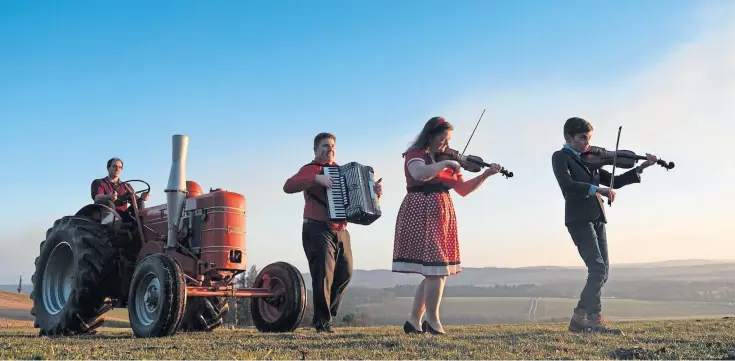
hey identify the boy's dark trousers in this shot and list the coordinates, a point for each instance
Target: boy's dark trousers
(591, 241)
(330, 262)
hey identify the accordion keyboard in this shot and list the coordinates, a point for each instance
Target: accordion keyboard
(336, 195)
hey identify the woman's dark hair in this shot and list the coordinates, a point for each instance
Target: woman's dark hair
(434, 126)
(575, 125)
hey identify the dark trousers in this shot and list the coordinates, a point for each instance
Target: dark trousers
(330, 263)
(591, 242)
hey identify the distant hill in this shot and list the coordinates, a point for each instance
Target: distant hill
(684, 270)
(674, 270)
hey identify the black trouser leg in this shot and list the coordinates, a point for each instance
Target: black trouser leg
(342, 271)
(591, 241)
(320, 247)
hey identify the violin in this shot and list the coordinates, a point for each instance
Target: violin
(597, 157)
(470, 163)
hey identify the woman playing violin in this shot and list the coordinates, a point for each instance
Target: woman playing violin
(425, 239)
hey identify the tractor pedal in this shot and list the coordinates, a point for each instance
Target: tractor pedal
(90, 328)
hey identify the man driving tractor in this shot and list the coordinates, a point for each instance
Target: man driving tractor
(104, 191)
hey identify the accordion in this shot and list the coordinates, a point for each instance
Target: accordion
(352, 197)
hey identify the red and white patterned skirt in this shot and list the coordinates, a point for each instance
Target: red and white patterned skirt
(425, 240)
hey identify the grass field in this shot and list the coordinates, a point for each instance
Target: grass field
(461, 310)
(691, 339)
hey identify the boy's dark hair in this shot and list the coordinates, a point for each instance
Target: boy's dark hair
(576, 125)
(109, 162)
(323, 135)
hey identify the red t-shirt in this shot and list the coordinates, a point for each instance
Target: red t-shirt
(104, 186)
(304, 181)
(444, 177)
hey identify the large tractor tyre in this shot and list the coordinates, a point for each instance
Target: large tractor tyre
(204, 314)
(284, 311)
(157, 297)
(73, 272)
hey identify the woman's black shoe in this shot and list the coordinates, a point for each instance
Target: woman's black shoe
(427, 328)
(408, 328)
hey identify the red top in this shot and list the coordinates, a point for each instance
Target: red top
(444, 177)
(104, 186)
(304, 181)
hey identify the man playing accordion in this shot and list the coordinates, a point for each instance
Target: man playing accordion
(326, 243)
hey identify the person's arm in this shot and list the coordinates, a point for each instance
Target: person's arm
(622, 180)
(97, 191)
(568, 185)
(420, 171)
(304, 179)
(465, 187)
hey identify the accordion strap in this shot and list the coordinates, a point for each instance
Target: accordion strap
(311, 195)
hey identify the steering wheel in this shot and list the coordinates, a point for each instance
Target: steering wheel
(128, 196)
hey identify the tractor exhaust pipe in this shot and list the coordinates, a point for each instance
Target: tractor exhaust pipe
(176, 189)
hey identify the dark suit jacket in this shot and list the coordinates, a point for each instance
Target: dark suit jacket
(575, 178)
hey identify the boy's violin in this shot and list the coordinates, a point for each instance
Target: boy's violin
(470, 163)
(597, 157)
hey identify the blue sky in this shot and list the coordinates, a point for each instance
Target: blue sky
(252, 82)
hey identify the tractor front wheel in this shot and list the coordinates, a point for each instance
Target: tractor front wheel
(157, 297)
(71, 277)
(284, 311)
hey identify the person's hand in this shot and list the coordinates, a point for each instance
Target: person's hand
(607, 192)
(650, 160)
(113, 196)
(324, 180)
(492, 169)
(379, 187)
(145, 196)
(450, 163)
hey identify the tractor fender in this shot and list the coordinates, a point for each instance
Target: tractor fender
(102, 213)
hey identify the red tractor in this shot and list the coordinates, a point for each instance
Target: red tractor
(172, 265)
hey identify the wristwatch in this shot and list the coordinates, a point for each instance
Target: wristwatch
(638, 169)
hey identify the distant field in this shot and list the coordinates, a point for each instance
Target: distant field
(16, 307)
(706, 339)
(463, 310)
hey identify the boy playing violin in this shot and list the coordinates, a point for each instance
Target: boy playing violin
(584, 217)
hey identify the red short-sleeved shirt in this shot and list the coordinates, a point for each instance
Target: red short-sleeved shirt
(104, 186)
(444, 177)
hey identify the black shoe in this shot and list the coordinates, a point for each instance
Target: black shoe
(325, 328)
(427, 328)
(408, 328)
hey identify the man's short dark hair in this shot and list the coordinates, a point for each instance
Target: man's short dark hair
(576, 125)
(109, 162)
(323, 135)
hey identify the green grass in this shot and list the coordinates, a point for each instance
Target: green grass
(691, 339)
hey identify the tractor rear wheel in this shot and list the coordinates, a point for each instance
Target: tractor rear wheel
(71, 281)
(157, 297)
(284, 311)
(204, 313)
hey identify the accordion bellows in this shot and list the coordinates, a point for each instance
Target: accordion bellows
(352, 197)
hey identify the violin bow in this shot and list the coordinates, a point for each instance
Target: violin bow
(473, 131)
(615, 162)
